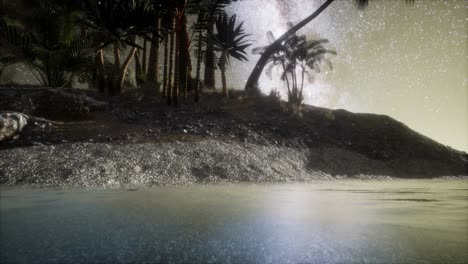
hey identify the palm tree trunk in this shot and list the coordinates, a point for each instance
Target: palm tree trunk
(296, 89)
(302, 80)
(185, 63)
(139, 75)
(175, 88)
(166, 57)
(171, 62)
(223, 80)
(153, 64)
(113, 82)
(100, 71)
(123, 71)
(144, 55)
(286, 77)
(199, 59)
(222, 68)
(210, 80)
(252, 82)
(48, 76)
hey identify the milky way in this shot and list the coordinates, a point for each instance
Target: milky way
(409, 62)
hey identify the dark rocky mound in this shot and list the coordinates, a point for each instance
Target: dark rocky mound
(57, 104)
(382, 138)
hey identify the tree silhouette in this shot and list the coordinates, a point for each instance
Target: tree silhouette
(296, 54)
(48, 42)
(117, 24)
(229, 41)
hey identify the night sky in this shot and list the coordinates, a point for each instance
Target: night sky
(409, 62)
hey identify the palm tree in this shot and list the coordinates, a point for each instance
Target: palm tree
(178, 29)
(278, 58)
(153, 65)
(296, 53)
(305, 54)
(185, 62)
(229, 41)
(118, 23)
(165, 66)
(48, 42)
(252, 82)
(140, 63)
(206, 11)
(171, 60)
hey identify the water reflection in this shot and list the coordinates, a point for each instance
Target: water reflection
(324, 222)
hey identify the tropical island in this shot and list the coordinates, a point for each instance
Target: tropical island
(149, 117)
(233, 131)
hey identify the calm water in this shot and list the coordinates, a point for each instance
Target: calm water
(395, 221)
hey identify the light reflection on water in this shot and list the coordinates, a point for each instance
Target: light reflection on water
(396, 221)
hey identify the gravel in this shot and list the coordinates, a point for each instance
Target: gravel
(110, 165)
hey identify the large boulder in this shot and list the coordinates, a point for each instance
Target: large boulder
(11, 125)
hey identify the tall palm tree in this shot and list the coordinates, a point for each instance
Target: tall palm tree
(165, 66)
(305, 54)
(206, 12)
(178, 29)
(153, 65)
(169, 87)
(229, 41)
(185, 62)
(140, 72)
(252, 81)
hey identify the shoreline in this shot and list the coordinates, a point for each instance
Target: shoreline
(107, 165)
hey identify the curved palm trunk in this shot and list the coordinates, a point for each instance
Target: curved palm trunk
(252, 82)
(139, 74)
(123, 70)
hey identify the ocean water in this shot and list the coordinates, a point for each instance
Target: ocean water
(343, 221)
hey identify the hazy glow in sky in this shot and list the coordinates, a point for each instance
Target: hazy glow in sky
(409, 62)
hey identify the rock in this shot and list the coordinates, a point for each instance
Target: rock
(50, 103)
(11, 124)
